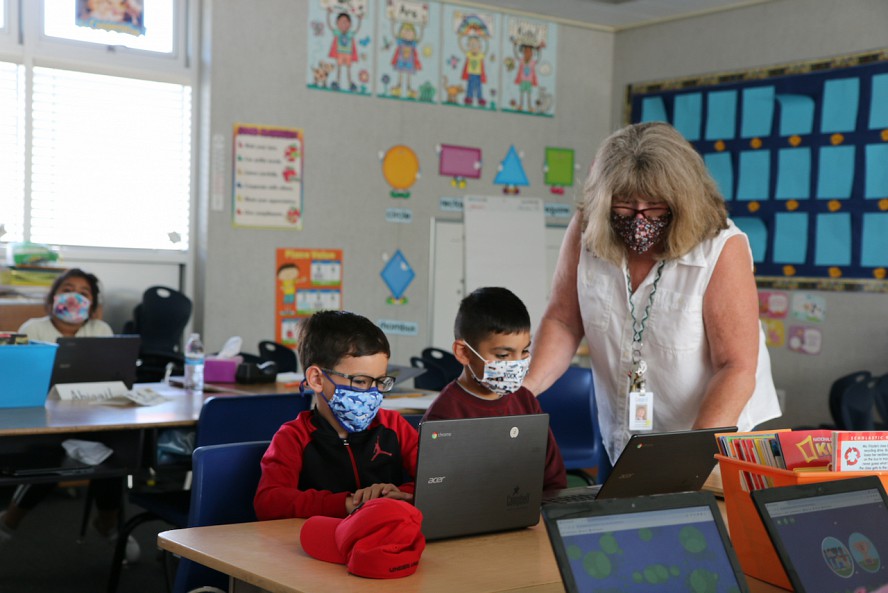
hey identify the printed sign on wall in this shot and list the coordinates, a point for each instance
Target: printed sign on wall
(306, 281)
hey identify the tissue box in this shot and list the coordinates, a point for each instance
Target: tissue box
(25, 371)
(221, 370)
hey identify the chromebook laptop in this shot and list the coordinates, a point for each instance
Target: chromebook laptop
(653, 463)
(665, 542)
(91, 360)
(479, 475)
(830, 536)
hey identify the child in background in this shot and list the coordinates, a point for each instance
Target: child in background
(492, 341)
(346, 450)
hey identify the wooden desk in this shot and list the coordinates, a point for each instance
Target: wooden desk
(266, 556)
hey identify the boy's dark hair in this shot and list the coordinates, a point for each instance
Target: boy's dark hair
(91, 279)
(327, 337)
(490, 310)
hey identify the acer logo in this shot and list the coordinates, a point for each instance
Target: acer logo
(436, 480)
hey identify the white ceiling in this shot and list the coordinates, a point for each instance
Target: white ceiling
(615, 14)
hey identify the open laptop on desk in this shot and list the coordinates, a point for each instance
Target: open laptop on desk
(665, 542)
(653, 463)
(479, 475)
(93, 360)
(830, 536)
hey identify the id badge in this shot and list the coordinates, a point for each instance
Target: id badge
(641, 410)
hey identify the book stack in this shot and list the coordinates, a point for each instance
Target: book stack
(12, 339)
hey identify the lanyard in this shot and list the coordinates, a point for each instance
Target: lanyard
(638, 365)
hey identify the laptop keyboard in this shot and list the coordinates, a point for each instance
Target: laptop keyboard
(573, 495)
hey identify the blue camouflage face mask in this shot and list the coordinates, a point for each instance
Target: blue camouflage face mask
(354, 409)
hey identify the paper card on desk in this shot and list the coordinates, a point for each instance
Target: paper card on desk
(92, 392)
(144, 396)
(294, 378)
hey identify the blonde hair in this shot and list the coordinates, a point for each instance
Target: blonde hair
(654, 162)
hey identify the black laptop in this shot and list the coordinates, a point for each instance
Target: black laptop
(480, 475)
(830, 536)
(665, 542)
(93, 360)
(653, 463)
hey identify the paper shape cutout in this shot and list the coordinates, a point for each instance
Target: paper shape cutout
(874, 245)
(511, 173)
(397, 275)
(722, 170)
(833, 240)
(757, 233)
(559, 169)
(840, 103)
(796, 114)
(790, 238)
(721, 115)
(653, 109)
(687, 115)
(876, 180)
(755, 174)
(773, 305)
(808, 307)
(793, 174)
(805, 340)
(775, 333)
(878, 114)
(400, 167)
(758, 112)
(459, 162)
(836, 174)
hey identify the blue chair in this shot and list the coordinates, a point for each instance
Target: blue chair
(573, 418)
(225, 478)
(857, 405)
(882, 400)
(836, 391)
(222, 420)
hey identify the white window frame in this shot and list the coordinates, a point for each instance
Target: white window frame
(22, 41)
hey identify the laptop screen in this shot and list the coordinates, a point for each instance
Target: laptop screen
(619, 545)
(830, 541)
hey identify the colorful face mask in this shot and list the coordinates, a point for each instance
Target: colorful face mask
(354, 408)
(640, 233)
(71, 307)
(501, 376)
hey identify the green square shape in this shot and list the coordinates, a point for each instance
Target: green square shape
(559, 166)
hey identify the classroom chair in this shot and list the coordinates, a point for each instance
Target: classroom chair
(573, 418)
(283, 356)
(882, 400)
(836, 392)
(858, 402)
(160, 320)
(444, 359)
(222, 420)
(224, 483)
(434, 378)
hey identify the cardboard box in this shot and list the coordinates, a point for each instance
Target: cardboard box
(25, 371)
(748, 535)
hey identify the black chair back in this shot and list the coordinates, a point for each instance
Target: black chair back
(837, 390)
(434, 379)
(445, 360)
(283, 356)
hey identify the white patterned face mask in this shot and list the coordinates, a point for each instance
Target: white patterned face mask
(501, 376)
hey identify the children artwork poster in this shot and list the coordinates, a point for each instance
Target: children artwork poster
(530, 48)
(470, 50)
(407, 59)
(267, 177)
(306, 281)
(121, 16)
(340, 48)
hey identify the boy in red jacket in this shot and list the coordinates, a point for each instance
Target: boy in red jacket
(492, 332)
(346, 450)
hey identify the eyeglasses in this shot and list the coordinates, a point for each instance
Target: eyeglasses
(651, 213)
(365, 382)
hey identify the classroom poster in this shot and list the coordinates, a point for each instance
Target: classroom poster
(267, 177)
(121, 16)
(470, 51)
(528, 74)
(409, 50)
(340, 46)
(306, 281)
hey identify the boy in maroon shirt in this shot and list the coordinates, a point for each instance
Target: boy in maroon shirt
(492, 342)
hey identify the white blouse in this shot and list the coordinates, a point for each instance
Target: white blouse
(41, 329)
(674, 343)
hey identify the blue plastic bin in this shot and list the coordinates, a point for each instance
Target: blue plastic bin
(25, 371)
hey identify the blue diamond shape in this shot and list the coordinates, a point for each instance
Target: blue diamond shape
(397, 274)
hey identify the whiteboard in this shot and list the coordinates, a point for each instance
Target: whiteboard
(447, 277)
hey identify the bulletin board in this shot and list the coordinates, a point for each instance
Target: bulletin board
(800, 153)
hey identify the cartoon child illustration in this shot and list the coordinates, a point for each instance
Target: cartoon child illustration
(288, 275)
(343, 49)
(406, 59)
(475, 48)
(527, 75)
